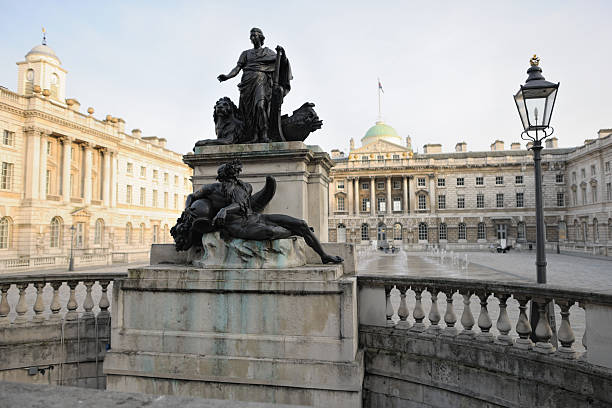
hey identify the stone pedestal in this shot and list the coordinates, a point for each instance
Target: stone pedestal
(275, 335)
(301, 173)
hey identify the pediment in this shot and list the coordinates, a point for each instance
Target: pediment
(80, 212)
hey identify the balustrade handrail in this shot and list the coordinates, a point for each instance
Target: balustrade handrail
(534, 290)
(60, 277)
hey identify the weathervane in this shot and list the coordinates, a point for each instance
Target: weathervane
(44, 41)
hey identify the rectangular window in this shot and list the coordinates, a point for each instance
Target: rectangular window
(421, 181)
(128, 194)
(143, 195)
(607, 167)
(397, 204)
(397, 184)
(593, 170)
(499, 200)
(499, 179)
(559, 178)
(482, 234)
(382, 204)
(166, 178)
(175, 201)
(609, 192)
(480, 200)
(573, 176)
(396, 157)
(520, 231)
(560, 200)
(442, 232)
(480, 181)
(584, 196)
(79, 236)
(155, 233)
(441, 182)
(340, 203)
(518, 179)
(365, 186)
(165, 199)
(422, 202)
(154, 198)
(441, 202)
(143, 171)
(380, 185)
(49, 147)
(460, 201)
(462, 233)
(365, 204)
(47, 181)
(129, 168)
(519, 200)
(8, 138)
(380, 158)
(583, 173)
(594, 193)
(460, 181)
(340, 185)
(155, 174)
(365, 159)
(176, 180)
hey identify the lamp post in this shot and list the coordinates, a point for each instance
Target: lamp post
(71, 261)
(535, 102)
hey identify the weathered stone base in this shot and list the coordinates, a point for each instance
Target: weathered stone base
(243, 253)
(267, 334)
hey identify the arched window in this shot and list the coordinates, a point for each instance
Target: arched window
(341, 229)
(128, 233)
(99, 231)
(397, 231)
(422, 231)
(520, 231)
(462, 234)
(5, 232)
(442, 232)
(141, 234)
(482, 231)
(365, 232)
(56, 232)
(381, 232)
(595, 230)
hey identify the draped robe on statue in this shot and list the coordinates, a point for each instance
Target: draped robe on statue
(258, 65)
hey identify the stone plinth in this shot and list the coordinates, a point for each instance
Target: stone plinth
(301, 173)
(250, 254)
(266, 335)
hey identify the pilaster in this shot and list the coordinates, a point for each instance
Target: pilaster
(87, 177)
(432, 193)
(32, 163)
(356, 190)
(66, 160)
(405, 192)
(389, 206)
(106, 178)
(372, 196)
(412, 191)
(349, 196)
(44, 136)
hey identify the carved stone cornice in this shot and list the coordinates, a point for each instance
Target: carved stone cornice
(36, 129)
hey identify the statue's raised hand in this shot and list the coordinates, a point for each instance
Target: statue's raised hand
(222, 78)
(280, 50)
(219, 219)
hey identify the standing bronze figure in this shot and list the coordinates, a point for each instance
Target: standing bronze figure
(230, 207)
(266, 78)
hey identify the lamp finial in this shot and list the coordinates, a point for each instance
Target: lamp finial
(534, 61)
(44, 40)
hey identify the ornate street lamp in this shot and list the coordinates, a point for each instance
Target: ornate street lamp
(535, 102)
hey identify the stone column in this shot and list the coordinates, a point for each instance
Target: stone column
(106, 184)
(43, 165)
(349, 195)
(389, 206)
(87, 170)
(412, 193)
(330, 197)
(356, 190)
(372, 196)
(432, 193)
(66, 162)
(405, 196)
(32, 164)
(113, 179)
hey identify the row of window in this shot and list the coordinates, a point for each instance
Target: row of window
(380, 158)
(499, 200)
(154, 199)
(143, 173)
(607, 169)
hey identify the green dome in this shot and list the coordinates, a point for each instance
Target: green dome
(381, 131)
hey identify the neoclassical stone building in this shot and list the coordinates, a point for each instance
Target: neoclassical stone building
(382, 190)
(62, 168)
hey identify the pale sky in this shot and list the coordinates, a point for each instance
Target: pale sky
(448, 69)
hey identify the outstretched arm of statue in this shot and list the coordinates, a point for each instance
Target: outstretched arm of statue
(231, 74)
(203, 192)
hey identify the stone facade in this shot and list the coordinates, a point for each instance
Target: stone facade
(63, 168)
(384, 191)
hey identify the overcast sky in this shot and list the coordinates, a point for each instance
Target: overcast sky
(448, 69)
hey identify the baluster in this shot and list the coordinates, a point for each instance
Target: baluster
(565, 334)
(55, 303)
(72, 303)
(88, 303)
(39, 306)
(484, 321)
(418, 314)
(543, 332)
(403, 312)
(503, 321)
(389, 306)
(586, 329)
(467, 318)
(22, 306)
(449, 316)
(523, 327)
(5, 308)
(104, 304)
(434, 314)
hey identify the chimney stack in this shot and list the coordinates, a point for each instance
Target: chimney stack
(137, 133)
(552, 143)
(515, 146)
(432, 148)
(497, 145)
(461, 147)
